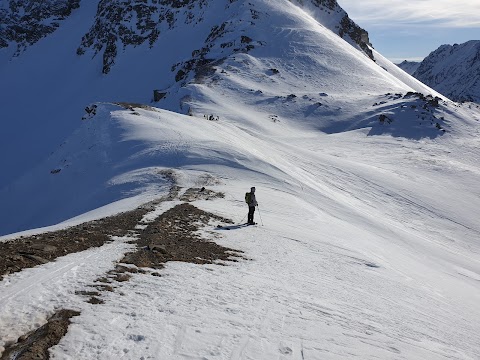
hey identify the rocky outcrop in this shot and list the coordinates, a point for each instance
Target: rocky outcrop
(357, 34)
(119, 24)
(24, 22)
(113, 30)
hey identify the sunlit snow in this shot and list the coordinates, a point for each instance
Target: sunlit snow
(367, 243)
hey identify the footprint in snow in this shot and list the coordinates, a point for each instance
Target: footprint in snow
(136, 338)
(285, 350)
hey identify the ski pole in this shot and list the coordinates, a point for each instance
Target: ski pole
(241, 221)
(260, 214)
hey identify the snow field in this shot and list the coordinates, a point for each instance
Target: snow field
(364, 250)
(303, 293)
(369, 246)
(29, 297)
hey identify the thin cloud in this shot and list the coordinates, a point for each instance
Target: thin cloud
(438, 13)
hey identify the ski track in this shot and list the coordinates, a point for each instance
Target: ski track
(328, 307)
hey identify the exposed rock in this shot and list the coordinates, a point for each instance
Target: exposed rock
(39, 249)
(44, 247)
(35, 345)
(357, 34)
(122, 277)
(95, 301)
(112, 28)
(346, 28)
(193, 194)
(158, 95)
(36, 258)
(24, 22)
(384, 118)
(158, 248)
(174, 237)
(119, 24)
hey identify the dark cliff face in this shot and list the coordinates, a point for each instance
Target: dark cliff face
(357, 34)
(24, 22)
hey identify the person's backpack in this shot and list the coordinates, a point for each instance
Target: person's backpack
(247, 198)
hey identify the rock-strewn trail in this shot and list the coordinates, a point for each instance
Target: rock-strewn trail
(27, 252)
(157, 238)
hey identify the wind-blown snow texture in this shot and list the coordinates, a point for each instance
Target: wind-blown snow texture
(453, 70)
(368, 192)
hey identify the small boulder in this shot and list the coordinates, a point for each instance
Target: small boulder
(44, 248)
(157, 248)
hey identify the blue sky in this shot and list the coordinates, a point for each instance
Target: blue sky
(411, 29)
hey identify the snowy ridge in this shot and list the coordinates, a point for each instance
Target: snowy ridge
(57, 75)
(357, 255)
(367, 182)
(300, 76)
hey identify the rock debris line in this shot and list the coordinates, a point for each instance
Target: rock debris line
(27, 252)
(172, 236)
(35, 345)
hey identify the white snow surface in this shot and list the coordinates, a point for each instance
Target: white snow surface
(368, 248)
(367, 243)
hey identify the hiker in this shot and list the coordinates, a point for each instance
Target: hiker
(252, 202)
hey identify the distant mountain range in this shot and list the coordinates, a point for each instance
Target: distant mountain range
(409, 66)
(452, 70)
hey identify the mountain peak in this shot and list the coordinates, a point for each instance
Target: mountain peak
(118, 25)
(453, 70)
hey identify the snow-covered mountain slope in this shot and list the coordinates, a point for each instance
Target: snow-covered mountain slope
(409, 66)
(453, 70)
(369, 245)
(287, 67)
(46, 87)
(368, 190)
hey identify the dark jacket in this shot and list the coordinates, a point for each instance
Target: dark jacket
(253, 200)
